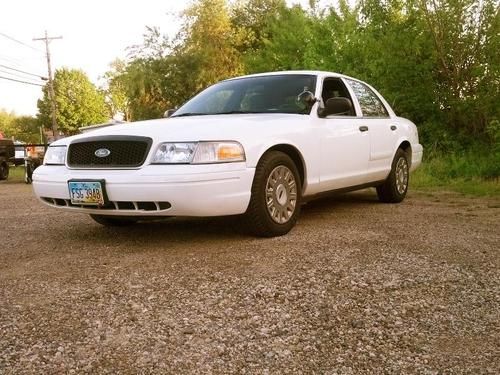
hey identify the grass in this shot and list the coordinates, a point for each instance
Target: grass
(16, 174)
(471, 173)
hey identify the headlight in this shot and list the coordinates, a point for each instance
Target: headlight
(218, 152)
(169, 153)
(199, 153)
(55, 155)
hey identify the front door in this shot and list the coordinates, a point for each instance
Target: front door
(345, 145)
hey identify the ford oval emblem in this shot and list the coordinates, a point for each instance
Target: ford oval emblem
(102, 152)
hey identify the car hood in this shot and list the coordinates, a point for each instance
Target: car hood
(199, 128)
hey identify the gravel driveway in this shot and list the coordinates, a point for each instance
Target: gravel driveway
(357, 287)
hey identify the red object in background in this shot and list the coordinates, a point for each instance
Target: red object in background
(1, 135)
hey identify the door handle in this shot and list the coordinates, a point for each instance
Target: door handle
(363, 128)
(393, 127)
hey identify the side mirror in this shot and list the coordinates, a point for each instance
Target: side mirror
(307, 98)
(336, 106)
(169, 112)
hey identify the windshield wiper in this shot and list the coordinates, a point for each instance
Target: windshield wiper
(191, 114)
(214, 113)
(234, 112)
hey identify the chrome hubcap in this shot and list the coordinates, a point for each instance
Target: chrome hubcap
(402, 175)
(281, 194)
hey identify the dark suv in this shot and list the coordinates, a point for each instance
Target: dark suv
(7, 154)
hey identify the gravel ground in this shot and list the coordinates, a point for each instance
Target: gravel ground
(357, 287)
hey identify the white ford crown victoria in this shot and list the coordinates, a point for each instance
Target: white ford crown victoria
(257, 145)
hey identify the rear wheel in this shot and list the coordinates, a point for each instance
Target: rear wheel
(394, 189)
(276, 195)
(113, 221)
(4, 170)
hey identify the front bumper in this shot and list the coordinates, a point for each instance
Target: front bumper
(190, 190)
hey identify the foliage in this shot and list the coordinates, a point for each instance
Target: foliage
(285, 48)
(139, 89)
(118, 99)
(436, 62)
(464, 35)
(5, 121)
(78, 102)
(250, 20)
(472, 172)
(22, 128)
(207, 45)
(163, 74)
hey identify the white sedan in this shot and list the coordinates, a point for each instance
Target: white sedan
(258, 145)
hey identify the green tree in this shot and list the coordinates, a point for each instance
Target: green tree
(465, 41)
(26, 129)
(289, 43)
(78, 102)
(6, 119)
(163, 74)
(436, 62)
(22, 128)
(142, 88)
(206, 50)
(117, 97)
(250, 20)
(395, 55)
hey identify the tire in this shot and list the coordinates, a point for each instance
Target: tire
(394, 189)
(4, 170)
(113, 221)
(28, 174)
(276, 196)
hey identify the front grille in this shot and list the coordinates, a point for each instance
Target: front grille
(124, 152)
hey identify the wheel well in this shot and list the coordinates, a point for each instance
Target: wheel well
(295, 156)
(406, 147)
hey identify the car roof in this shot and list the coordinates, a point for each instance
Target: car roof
(292, 72)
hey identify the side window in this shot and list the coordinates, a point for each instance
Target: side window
(335, 88)
(370, 104)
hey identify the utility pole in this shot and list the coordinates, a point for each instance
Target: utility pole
(52, 95)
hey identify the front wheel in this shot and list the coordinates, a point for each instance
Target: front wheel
(394, 188)
(113, 221)
(276, 196)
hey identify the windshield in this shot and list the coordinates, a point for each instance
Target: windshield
(261, 94)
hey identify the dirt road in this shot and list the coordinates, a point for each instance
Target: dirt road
(357, 287)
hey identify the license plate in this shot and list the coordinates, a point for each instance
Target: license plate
(86, 192)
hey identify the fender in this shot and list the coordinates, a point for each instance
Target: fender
(311, 173)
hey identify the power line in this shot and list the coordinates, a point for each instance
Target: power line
(17, 61)
(19, 42)
(22, 71)
(18, 80)
(16, 75)
(10, 60)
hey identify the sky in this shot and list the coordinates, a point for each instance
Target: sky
(94, 34)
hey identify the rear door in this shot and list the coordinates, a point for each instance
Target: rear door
(382, 129)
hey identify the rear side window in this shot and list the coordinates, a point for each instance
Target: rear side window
(370, 104)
